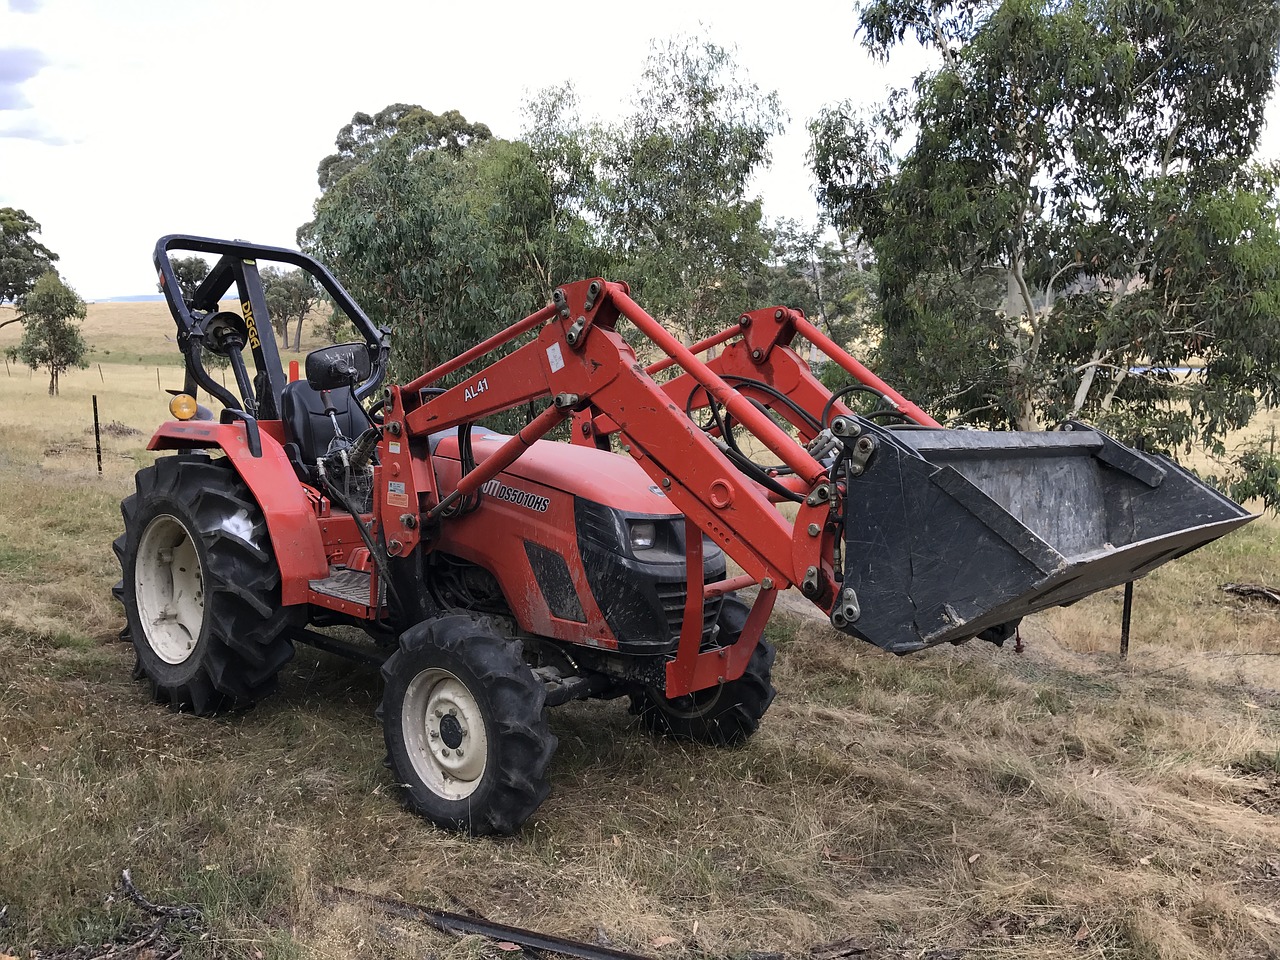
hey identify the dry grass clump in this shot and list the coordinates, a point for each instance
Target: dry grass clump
(964, 802)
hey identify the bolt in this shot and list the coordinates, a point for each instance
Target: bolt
(844, 427)
(814, 529)
(766, 583)
(459, 753)
(435, 735)
(810, 585)
(445, 752)
(757, 354)
(744, 322)
(626, 448)
(586, 429)
(777, 314)
(666, 483)
(394, 548)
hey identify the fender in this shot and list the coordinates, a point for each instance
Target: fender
(291, 520)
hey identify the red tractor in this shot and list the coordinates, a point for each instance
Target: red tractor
(500, 575)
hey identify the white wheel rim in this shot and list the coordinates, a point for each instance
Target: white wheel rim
(444, 732)
(169, 589)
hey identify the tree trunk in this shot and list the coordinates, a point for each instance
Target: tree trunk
(1021, 310)
(53, 381)
(297, 340)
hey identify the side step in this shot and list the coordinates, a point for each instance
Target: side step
(347, 591)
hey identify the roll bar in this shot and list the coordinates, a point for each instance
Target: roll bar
(237, 265)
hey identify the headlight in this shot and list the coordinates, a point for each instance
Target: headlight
(643, 534)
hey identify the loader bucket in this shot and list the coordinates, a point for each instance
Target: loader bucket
(949, 533)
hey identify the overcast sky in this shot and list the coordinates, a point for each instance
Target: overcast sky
(122, 120)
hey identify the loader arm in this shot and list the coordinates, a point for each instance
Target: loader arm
(579, 361)
(948, 534)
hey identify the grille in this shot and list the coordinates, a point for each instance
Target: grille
(672, 595)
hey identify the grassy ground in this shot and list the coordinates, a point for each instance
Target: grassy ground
(964, 802)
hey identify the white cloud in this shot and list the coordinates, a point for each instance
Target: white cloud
(31, 130)
(152, 117)
(17, 66)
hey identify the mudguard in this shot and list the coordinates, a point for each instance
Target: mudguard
(291, 518)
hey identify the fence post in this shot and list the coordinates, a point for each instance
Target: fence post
(1125, 616)
(97, 433)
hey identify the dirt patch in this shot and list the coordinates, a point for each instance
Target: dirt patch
(62, 449)
(1263, 795)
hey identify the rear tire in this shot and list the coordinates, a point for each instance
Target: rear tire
(466, 729)
(201, 587)
(721, 716)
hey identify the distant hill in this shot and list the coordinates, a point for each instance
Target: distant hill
(140, 298)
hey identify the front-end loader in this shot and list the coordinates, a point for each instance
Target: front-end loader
(499, 575)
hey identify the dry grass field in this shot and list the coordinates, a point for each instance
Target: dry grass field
(966, 802)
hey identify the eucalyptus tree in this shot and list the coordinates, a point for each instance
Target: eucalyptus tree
(1065, 213)
(674, 192)
(51, 337)
(23, 258)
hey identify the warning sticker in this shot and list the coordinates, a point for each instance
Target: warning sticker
(555, 357)
(396, 496)
(393, 446)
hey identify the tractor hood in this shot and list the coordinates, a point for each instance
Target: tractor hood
(596, 475)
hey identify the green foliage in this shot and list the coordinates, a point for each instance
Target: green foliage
(290, 296)
(1253, 473)
(832, 282)
(190, 273)
(444, 236)
(23, 258)
(1063, 211)
(51, 337)
(672, 195)
(447, 234)
(365, 135)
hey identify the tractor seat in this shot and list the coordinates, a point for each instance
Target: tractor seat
(308, 431)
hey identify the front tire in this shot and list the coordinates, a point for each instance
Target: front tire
(721, 716)
(465, 724)
(201, 587)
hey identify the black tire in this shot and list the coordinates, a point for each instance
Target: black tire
(201, 587)
(721, 716)
(456, 684)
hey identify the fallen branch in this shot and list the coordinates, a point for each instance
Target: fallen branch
(837, 949)
(155, 909)
(459, 924)
(1257, 591)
